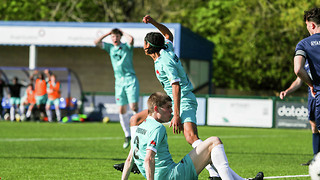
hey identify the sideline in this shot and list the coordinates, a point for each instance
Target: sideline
(289, 176)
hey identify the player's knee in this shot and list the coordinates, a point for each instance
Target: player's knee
(191, 138)
(214, 140)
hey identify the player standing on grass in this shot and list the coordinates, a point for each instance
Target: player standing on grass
(53, 90)
(126, 82)
(151, 151)
(175, 82)
(308, 49)
(311, 109)
(14, 95)
(40, 90)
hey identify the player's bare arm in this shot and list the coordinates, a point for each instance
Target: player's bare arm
(176, 120)
(162, 28)
(127, 166)
(299, 62)
(129, 38)
(149, 163)
(138, 118)
(293, 87)
(98, 42)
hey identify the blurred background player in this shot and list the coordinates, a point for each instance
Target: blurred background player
(40, 92)
(2, 88)
(14, 95)
(126, 82)
(29, 101)
(311, 110)
(53, 91)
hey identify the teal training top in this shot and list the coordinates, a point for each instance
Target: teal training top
(168, 69)
(152, 135)
(121, 59)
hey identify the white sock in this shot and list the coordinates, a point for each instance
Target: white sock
(22, 109)
(48, 111)
(28, 114)
(58, 114)
(220, 162)
(12, 111)
(125, 124)
(212, 171)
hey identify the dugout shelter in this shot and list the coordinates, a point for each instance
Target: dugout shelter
(70, 45)
(70, 85)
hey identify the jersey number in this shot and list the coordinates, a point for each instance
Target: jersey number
(135, 152)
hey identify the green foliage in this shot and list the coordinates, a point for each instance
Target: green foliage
(255, 39)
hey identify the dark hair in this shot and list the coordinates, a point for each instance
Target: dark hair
(116, 31)
(156, 41)
(157, 99)
(312, 15)
(30, 84)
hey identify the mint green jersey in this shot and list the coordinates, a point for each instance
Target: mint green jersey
(169, 70)
(152, 135)
(121, 59)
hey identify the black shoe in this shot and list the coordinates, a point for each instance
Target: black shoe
(119, 167)
(215, 178)
(135, 169)
(259, 176)
(307, 163)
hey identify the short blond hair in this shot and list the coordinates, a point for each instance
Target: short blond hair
(157, 99)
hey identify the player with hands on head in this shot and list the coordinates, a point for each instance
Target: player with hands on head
(126, 82)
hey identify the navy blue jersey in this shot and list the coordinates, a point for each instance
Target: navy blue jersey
(310, 49)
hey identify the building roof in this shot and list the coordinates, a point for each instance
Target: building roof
(188, 45)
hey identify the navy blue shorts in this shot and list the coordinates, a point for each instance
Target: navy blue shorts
(311, 107)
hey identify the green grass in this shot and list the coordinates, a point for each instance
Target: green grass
(31, 150)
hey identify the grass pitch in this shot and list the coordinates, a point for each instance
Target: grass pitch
(31, 150)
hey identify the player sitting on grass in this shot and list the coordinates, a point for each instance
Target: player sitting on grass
(151, 153)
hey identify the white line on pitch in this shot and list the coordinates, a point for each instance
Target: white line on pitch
(58, 139)
(290, 176)
(112, 138)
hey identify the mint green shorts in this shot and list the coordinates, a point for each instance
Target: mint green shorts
(56, 102)
(41, 99)
(188, 108)
(14, 100)
(127, 90)
(184, 170)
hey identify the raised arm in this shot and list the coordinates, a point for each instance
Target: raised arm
(98, 42)
(129, 38)
(162, 28)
